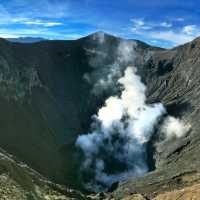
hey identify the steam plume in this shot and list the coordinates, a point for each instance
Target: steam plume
(105, 75)
(174, 128)
(116, 147)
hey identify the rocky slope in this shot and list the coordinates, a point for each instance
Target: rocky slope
(18, 181)
(48, 92)
(191, 192)
(177, 86)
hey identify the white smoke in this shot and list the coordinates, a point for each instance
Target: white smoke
(100, 36)
(174, 128)
(124, 55)
(125, 51)
(121, 130)
(116, 147)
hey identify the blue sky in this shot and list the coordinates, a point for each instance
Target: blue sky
(164, 23)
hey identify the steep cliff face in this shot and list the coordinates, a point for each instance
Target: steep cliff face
(49, 91)
(172, 76)
(45, 104)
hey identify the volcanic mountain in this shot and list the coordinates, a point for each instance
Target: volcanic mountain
(49, 91)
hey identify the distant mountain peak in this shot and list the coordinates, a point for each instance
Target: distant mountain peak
(101, 35)
(26, 39)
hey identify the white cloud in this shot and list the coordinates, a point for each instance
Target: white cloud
(179, 19)
(176, 38)
(37, 17)
(166, 24)
(32, 12)
(7, 33)
(30, 21)
(190, 29)
(37, 32)
(140, 24)
(154, 41)
(42, 23)
(6, 18)
(158, 31)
